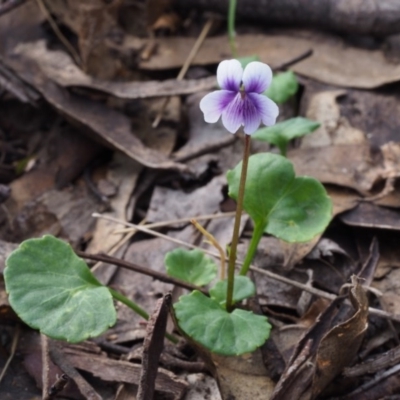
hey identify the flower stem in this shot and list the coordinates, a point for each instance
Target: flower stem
(231, 27)
(236, 228)
(255, 240)
(137, 309)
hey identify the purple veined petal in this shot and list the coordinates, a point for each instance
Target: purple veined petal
(251, 116)
(214, 103)
(257, 76)
(266, 108)
(232, 116)
(229, 75)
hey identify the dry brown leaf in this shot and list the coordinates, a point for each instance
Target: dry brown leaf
(340, 345)
(287, 337)
(353, 166)
(335, 129)
(105, 124)
(333, 61)
(123, 173)
(369, 215)
(58, 66)
(93, 21)
(202, 387)
(21, 25)
(243, 377)
(343, 199)
(324, 351)
(167, 204)
(295, 252)
(389, 285)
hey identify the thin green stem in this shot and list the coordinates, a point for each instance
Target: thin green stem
(251, 251)
(236, 228)
(231, 27)
(138, 310)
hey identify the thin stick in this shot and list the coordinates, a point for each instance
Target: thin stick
(44, 341)
(179, 221)
(118, 245)
(154, 233)
(214, 242)
(12, 353)
(186, 65)
(276, 277)
(137, 268)
(62, 361)
(236, 228)
(294, 60)
(58, 33)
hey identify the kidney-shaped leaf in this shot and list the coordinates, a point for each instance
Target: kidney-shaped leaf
(290, 208)
(221, 332)
(242, 289)
(283, 87)
(191, 266)
(53, 290)
(283, 132)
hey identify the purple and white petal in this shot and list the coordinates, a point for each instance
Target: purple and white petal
(257, 77)
(266, 108)
(214, 103)
(232, 116)
(251, 116)
(229, 75)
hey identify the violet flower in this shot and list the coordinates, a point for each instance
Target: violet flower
(241, 105)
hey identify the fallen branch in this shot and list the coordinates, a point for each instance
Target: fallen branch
(137, 268)
(375, 17)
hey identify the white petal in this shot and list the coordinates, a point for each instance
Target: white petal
(257, 76)
(232, 117)
(267, 109)
(214, 103)
(229, 75)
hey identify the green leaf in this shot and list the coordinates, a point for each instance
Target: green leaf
(283, 132)
(229, 334)
(290, 208)
(53, 290)
(242, 289)
(247, 60)
(191, 266)
(283, 87)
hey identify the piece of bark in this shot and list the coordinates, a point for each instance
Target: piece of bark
(375, 17)
(123, 371)
(60, 360)
(152, 348)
